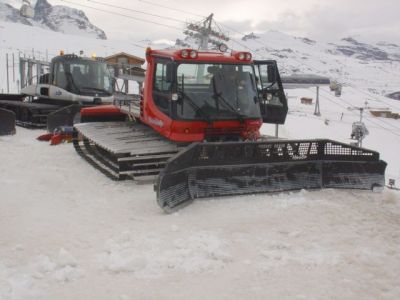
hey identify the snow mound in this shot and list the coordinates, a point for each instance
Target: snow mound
(200, 252)
(147, 256)
(21, 281)
(276, 255)
(62, 268)
(15, 284)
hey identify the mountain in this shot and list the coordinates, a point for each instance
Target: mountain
(381, 52)
(10, 14)
(57, 18)
(373, 66)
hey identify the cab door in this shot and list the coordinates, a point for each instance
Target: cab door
(273, 102)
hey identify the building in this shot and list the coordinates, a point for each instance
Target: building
(123, 58)
(126, 67)
(306, 100)
(385, 114)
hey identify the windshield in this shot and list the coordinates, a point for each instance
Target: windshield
(216, 91)
(85, 77)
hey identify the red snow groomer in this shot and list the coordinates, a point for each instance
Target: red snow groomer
(195, 130)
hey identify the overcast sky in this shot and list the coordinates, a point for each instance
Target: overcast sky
(319, 19)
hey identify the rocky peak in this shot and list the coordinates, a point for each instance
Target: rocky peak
(42, 6)
(10, 14)
(250, 36)
(56, 18)
(353, 48)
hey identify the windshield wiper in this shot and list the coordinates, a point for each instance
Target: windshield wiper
(195, 106)
(73, 81)
(218, 96)
(229, 106)
(191, 102)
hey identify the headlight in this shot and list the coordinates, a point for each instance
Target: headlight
(193, 54)
(185, 53)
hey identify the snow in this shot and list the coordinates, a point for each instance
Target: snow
(68, 232)
(151, 256)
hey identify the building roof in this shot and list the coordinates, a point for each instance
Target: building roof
(125, 55)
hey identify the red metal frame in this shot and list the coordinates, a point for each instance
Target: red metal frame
(191, 131)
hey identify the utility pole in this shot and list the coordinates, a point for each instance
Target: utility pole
(21, 72)
(13, 59)
(8, 82)
(204, 33)
(317, 111)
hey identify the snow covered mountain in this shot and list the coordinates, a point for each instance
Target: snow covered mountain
(56, 18)
(373, 66)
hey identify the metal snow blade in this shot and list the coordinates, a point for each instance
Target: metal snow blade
(7, 122)
(220, 169)
(63, 117)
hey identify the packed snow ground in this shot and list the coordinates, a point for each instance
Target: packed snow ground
(68, 232)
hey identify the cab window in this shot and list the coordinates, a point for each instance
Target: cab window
(61, 78)
(162, 86)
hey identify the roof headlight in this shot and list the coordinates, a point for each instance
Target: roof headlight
(193, 54)
(223, 48)
(185, 53)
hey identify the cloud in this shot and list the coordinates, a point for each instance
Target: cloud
(334, 20)
(355, 17)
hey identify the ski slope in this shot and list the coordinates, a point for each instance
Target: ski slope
(68, 232)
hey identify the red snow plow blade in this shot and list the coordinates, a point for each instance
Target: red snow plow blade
(220, 169)
(102, 113)
(61, 134)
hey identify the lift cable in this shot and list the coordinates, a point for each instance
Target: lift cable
(123, 15)
(369, 119)
(136, 11)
